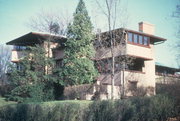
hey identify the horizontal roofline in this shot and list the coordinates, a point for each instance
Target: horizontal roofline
(165, 66)
(35, 37)
(47, 34)
(156, 38)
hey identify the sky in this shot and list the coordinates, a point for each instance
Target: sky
(15, 15)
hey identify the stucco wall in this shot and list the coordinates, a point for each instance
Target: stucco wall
(16, 55)
(140, 51)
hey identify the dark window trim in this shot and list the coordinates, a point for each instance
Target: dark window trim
(138, 42)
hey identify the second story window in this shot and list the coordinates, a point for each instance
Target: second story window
(135, 38)
(20, 47)
(130, 37)
(138, 39)
(146, 41)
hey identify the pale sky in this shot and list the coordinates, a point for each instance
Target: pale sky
(15, 14)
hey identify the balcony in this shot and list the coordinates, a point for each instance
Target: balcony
(140, 51)
(103, 53)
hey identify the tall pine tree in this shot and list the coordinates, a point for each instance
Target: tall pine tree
(78, 66)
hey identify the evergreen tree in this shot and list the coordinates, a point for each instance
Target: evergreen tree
(78, 66)
(31, 82)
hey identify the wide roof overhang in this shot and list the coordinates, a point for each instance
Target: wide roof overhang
(33, 38)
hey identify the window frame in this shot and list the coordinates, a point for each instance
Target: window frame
(138, 39)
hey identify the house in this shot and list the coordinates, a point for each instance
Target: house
(166, 74)
(129, 43)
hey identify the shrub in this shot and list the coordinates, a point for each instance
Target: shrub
(100, 111)
(157, 108)
(172, 91)
(161, 107)
(70, 111)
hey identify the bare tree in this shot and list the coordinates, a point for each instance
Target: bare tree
(113, 39)
(51, 22)
(176, 15)
(5, 55)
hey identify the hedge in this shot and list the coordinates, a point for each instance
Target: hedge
(157, 108)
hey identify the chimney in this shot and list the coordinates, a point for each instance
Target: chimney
(146, 28)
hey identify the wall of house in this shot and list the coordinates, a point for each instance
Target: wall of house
(16, 55)
(147, 79)
(139, 51)
(49, 49)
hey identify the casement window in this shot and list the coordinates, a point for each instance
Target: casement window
(135, 38)
(138, 39)
(146, 41)
(20, 47)
(19, 66)
(130, 37)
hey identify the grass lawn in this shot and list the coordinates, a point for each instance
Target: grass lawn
(3, 102)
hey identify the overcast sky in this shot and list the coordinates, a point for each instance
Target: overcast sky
(15, 15)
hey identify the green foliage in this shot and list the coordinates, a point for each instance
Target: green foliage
(32, 82)
(3, 102)
(172, 91)
(157, 108)
(78, 68)
(50, 111)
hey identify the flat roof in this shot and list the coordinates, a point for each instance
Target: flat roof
(38, 37)
(165, 66)
(153, 39)
(35, 38)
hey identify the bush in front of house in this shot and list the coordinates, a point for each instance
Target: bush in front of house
(172, 91)
(48, 111)
(134, 109)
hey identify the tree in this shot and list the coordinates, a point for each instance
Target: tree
(5, 55)
(78, 66)
(31, 81)
(176, 15)
(115, 38)
(50, 22)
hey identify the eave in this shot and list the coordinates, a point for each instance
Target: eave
(153, 39)
(35, 38)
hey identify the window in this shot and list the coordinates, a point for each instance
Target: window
(19, 66)
(146, 41)
(137, 65)
(59, 63)
(140, 39)
(132, 85)
(130, 37)
(135, 38)
(20, 47)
